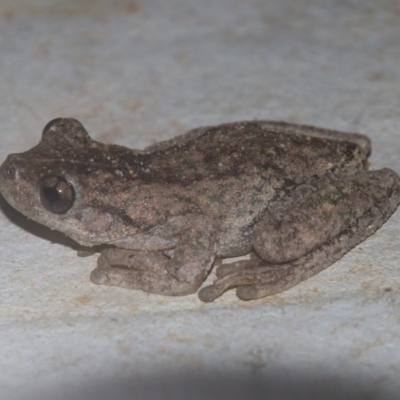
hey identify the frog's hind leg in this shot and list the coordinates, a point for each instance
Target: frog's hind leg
(378, 194)
(282, 277)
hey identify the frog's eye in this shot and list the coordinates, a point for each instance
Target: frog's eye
(56, 194)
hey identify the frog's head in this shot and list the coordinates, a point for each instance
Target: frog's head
(68, 182)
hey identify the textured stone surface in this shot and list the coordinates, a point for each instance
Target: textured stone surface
(138, 72)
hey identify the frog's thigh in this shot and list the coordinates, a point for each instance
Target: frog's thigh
(257, 280)
(297, 225)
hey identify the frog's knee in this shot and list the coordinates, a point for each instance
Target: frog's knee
(279, 243)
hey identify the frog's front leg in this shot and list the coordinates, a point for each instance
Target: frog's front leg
(304, 234)
(176, 272)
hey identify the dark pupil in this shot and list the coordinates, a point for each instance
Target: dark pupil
(51, 194)
(56, 194)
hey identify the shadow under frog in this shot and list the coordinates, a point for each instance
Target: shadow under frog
(297, 198)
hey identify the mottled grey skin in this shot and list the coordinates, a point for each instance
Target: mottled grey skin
(296, 197)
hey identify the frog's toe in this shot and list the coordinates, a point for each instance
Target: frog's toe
(221, 285)
(258, 291)
(99, 276)
(210, 293)
(233, 275)
(250, 292)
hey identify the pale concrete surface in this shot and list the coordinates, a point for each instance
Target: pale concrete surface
(135, 72)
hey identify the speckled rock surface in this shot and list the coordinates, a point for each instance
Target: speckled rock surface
(136, 72)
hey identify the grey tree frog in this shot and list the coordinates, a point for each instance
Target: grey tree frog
(296, 198)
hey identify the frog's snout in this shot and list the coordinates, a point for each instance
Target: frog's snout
(11, 174)
(8, 170)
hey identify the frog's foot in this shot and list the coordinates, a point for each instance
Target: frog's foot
(151, 272)
(256, 278)
(176, 272)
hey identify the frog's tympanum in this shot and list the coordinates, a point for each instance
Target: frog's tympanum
(296, 198)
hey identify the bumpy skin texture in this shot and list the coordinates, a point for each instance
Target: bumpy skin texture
(296, 197)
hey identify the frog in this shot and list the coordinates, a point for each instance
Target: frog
(292, 198)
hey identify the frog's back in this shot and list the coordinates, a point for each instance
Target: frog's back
(272, 150)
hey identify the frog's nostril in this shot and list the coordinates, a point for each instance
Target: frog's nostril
(8, 169)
